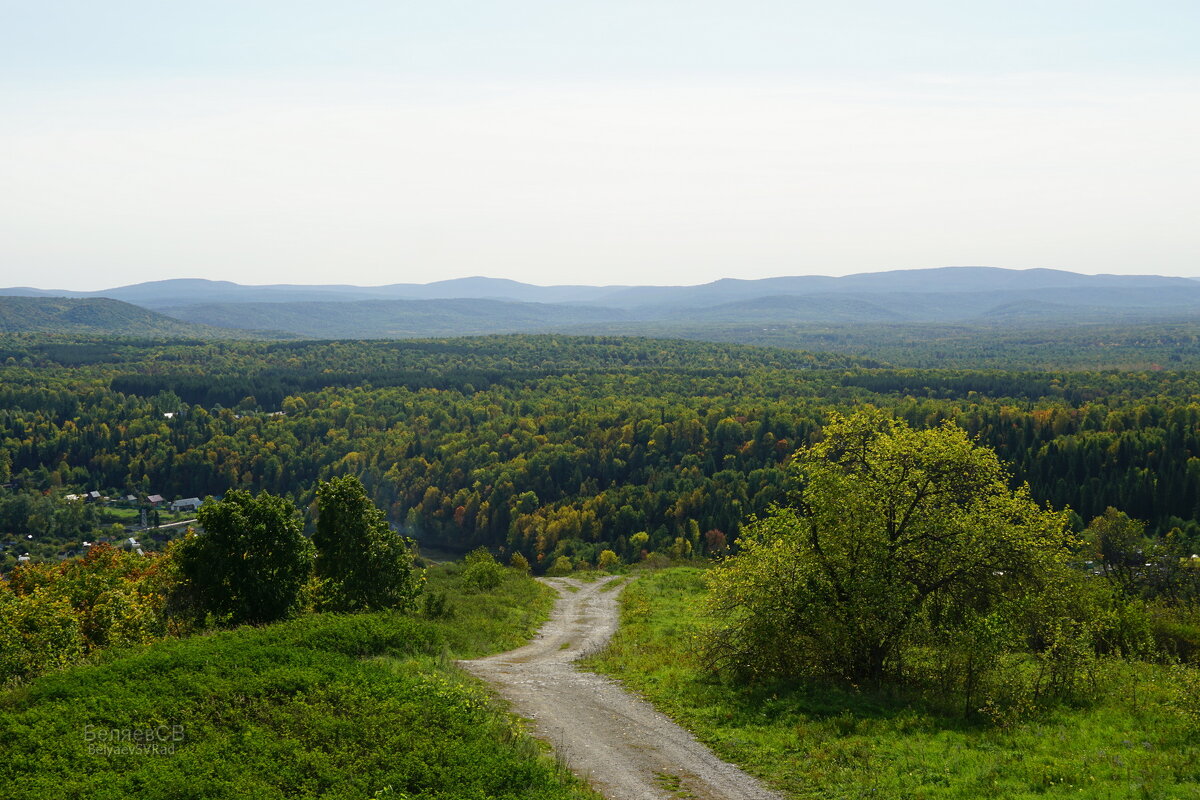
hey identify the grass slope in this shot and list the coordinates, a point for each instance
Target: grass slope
(359, 706)
(830, 743)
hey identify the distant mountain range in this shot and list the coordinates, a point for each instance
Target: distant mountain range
(984, 296)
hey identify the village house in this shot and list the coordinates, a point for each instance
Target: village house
(186, 504)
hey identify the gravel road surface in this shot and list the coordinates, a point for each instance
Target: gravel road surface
(608, 736)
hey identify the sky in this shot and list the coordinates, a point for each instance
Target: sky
(615, 142)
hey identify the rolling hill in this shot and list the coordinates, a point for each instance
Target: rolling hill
(96, 316)
(976, 296)
(385, 319)
(106, 317)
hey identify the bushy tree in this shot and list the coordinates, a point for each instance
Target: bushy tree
(250, 562)
(1120, 547)
(481, 569)
(887, 530)
(639, 543)
(561, 566)
(1155, 568)
(608, 560)
(363, 562)
(39, 631)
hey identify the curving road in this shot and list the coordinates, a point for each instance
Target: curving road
(616, 741)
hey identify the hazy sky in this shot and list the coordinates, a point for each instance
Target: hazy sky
(267, 141)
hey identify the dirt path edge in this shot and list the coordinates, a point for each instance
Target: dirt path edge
(613, 739)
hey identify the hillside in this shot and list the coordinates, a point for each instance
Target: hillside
(986, 301)
(386, 319)
(334, 706)
(941, 280)
(97, 316)
(184, 291)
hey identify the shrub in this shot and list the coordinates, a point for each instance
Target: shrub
(608, 560)
(39, 631)
(561, 566)
(437, 606)
(481, 569)
(681, 548)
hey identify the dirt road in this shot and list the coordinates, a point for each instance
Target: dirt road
(619, 743)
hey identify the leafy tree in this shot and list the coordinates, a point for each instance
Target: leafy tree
(639, 542)
(1120, 547)
(561, 566)
(608, 560)
(251, 561)
(481, 569)
(365, 564)
(888, 529)
(1156, 568)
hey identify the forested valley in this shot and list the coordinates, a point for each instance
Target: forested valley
(547, 445)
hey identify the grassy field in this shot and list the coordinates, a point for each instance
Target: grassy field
(360, 706)
(824, 742)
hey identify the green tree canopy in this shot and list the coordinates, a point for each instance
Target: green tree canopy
(888, 528)
(250, 562)
(1120, 547)
(365, 564)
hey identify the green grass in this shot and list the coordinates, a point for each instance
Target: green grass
(583, 576)
(613, 585)
(356, 706)
(481, 622)
(826, 742)
(129, 516)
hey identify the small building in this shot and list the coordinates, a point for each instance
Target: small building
(91, 497)
(186, 504)
(156, 500)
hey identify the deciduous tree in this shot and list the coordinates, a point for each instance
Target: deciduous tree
(251, 560)
(887, 529)
(365, 564)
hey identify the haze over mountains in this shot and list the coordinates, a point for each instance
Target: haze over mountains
(983, 296)
(97, 316)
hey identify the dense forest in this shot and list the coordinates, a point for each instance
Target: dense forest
(548, 445)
